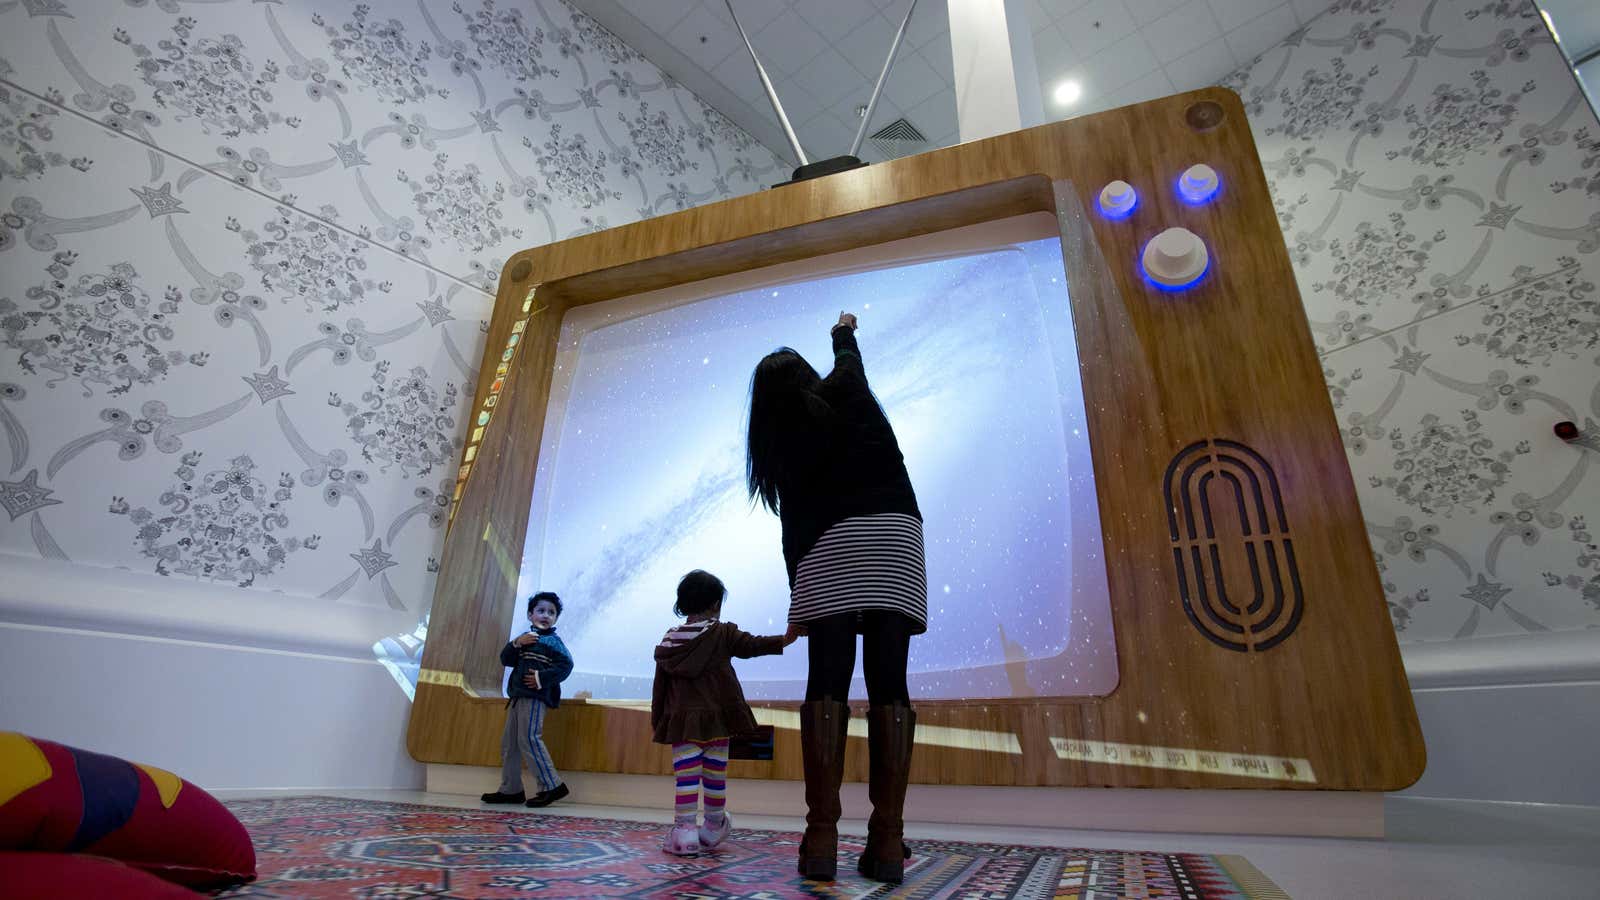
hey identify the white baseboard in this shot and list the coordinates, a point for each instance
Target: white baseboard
(1297, 813)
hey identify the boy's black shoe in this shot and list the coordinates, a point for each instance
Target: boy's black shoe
(498, 797)
(545, 798)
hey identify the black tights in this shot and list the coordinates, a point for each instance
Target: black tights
(831, 647)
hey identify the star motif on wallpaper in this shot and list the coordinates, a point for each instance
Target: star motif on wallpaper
(1499, 216)
(349, 154)
(436, 311)
(38, 8)
(1485, 593)
(1347, 180)
(23, 497)
(486, 121)
(159, 201)
(268, 386)
(372, 559)
(1410, 360)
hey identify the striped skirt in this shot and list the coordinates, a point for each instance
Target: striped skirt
(868, 562)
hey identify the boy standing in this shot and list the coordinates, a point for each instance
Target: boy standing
(539, 662)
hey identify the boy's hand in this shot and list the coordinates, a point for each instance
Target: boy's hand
(794, 632)
(531, 680)
(525, 639)
(847, 319)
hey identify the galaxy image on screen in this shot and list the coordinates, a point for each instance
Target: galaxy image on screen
(968, 345)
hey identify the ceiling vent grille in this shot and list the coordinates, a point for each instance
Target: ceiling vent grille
(899, 138)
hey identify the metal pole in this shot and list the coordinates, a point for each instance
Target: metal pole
(772, 95)
(877, 89)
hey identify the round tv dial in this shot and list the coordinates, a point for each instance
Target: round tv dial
(1175, 258)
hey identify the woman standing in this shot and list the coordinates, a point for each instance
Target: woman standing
(823, 456)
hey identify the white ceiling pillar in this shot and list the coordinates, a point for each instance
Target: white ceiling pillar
(997, 83)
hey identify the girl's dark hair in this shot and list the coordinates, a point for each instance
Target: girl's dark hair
(786, 414)
(549, 596)
(698, 591)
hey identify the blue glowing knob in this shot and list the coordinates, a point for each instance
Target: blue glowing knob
(1199, 183)
(1117, 199)
(1175, 258)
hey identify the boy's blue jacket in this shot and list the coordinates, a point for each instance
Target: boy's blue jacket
(548, 656)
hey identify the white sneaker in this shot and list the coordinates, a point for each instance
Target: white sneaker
(712, 836)
(682, 840)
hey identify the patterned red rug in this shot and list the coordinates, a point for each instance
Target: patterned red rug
(311, 847)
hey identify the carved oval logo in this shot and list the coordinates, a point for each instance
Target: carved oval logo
(1231, 545)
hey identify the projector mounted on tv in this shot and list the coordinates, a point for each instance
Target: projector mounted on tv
(832, 165)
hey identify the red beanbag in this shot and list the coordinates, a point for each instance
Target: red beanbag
(50, 876)
(65, 800)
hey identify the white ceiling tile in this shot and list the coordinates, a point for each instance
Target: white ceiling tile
(1052, 55)
(1205, 66)
(834, 18)
(825, 136)
(936, 115)
(930, 19)
(1119, 64)
(1096, 25)
(1039, 18)
(844, 109)
(704, 38)
(754, 15)
(1233, 13)
(827, 78)
(912, 81)
(1182, 31)
(788, 43)
(1147, 11)
(798, 103)
(867, 45)
(1310, 9)
(1265, 32)
(1149, 87)
(1060, 9)
(939, 57)
(661, 15)
(738, 74)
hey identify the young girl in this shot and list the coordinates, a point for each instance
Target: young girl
(697, 704)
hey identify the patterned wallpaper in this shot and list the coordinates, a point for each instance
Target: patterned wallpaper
(1437, 175)
(246, 252)
(246, 248)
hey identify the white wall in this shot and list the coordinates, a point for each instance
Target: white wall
(1512, 718)
(220, 688)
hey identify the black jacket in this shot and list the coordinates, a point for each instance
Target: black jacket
(856, 468)
(548, 656)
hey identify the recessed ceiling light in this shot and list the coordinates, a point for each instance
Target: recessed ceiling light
(1068, 92)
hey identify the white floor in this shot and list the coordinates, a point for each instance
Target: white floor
(1435, 849)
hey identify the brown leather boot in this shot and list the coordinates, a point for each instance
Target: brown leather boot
(891, 732)
(823, 725)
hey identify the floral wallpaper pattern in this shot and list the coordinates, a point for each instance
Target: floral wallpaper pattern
(246, 252)
(1437, 177)
(246, 249)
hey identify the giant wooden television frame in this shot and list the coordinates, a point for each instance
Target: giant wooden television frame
(1253, 641)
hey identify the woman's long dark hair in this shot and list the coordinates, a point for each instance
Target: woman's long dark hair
(787, 416)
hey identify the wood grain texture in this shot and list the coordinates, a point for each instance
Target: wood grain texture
(1231, 358)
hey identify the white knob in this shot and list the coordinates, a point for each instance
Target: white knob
(1118, 198)
(1175, 257)
(1198, 183)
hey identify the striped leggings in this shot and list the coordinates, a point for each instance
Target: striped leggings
(700, 767)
